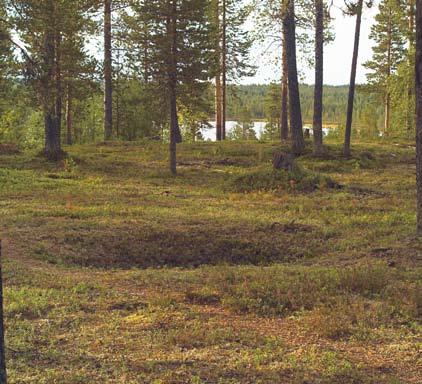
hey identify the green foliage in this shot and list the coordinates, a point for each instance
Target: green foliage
(389, 48)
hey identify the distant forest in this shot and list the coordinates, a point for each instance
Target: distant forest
(258, 100)
(23, 123)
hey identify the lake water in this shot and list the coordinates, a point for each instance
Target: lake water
(258, 127)
(210, 134)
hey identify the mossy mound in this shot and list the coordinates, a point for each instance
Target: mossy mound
(274, 180)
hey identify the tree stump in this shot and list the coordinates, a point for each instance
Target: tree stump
(284, 161)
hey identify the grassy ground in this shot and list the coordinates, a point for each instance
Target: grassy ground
(116, 272)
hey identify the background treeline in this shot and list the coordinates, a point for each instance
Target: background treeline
(261, 100)
(20, 122)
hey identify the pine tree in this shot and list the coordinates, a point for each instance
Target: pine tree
(272, 107)
(108, 71)
(388, 53)
(284, 112)
(319, 75)
(353, 9)
(42, 27)
(409, 29)
(289, 30)
(181, 54)
(6, 55)
(232, 50)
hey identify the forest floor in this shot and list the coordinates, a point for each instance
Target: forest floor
(117, 272)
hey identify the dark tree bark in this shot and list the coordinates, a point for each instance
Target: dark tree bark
(52, 145)
(174, 126)
(175, 135)
(3, 375)
(387, 100)
(352, 86)
(108, 73)
(218, 90)
(296, 125)
(224, 70)
(410, 113)
(218, 107)
(418, 82)
(319, 75)
(59, 90)
(284, 113)
(69, 118)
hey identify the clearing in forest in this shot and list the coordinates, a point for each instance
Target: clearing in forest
(118, 272)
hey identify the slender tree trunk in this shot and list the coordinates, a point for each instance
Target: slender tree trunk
(193, 133)
(296, 125)
(352, 86)
(387, 101)
(146, 71)
(3, 375)
(52, 146)
(69, 118)
(175, 135)
(108, 73)
(218, 107)
(319, 75)
(411, 43)
(418, 82)
(387, 113)
(218, 90)
(59, 90)
(117, 97)
(284, 115)
(224, 71)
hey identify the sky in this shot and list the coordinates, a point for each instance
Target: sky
(337, 55)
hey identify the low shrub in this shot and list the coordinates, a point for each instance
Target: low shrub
(275, 180)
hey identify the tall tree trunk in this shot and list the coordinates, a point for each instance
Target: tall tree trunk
(296, 125)
(218, 90)
(218, 107)
(69, 118)
(108, 73)
(224, 71)
(319, 75)
(52, 146)
(193, 133)
(418, 82)
(284, 115)
(59, 90)
(3, 374)
(117, 96)
(352, 86)
(411, 43)
(175, 135)
(387, 113)
(387, 101)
